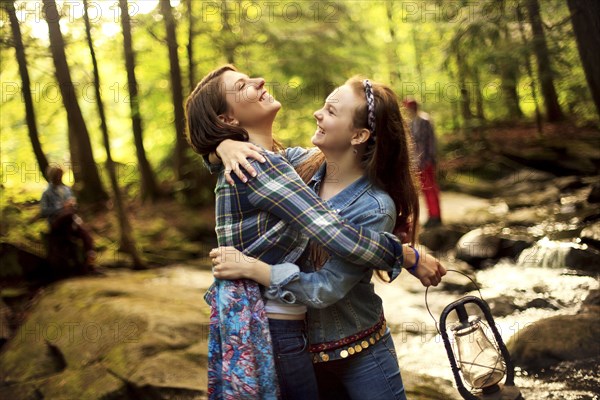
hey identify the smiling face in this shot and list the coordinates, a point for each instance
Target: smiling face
(249, 103)
(335, 130)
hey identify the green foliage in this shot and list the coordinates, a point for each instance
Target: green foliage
(303, 50)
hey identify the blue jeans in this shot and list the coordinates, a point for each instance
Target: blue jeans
(373, 374)
(293, 362)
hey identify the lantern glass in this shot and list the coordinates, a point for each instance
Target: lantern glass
(480, 362)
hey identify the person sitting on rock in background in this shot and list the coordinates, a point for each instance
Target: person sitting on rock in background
(425, 148)
(59, 206)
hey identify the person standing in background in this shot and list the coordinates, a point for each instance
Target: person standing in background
(59, 206)
(425, 148)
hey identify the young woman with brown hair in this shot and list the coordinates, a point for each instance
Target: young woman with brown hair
(364, 171)
(271, 218)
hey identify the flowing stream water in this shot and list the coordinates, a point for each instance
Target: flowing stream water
(538, 286)
(421, 349)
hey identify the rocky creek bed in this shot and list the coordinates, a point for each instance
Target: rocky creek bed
(533, 248)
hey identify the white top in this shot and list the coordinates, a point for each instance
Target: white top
(277, 307)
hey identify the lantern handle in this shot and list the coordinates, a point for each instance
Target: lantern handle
(427, 291)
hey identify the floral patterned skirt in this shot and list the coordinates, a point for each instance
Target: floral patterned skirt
(241, 364)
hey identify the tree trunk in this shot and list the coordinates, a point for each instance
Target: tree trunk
(509, 73)
(540, 47)
(26, 89)
(478, 95)
(509, 76)
(190, 46)
(229, 45)
(585, 16)
(453, 101)
(393, 62)
(90, 187)
(418, 58)
(127, 243)
(199, 192)
(149, 188)
(465, 100)
(529, 67)
(176, 91)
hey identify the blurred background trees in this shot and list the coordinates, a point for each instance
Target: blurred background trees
(473, 66)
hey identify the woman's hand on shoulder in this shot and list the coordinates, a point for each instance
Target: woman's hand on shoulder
(235, 154)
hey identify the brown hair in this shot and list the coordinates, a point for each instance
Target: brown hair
(388, 158)
(202, 109)
(205, 131)
(54, 174)
(388, 161)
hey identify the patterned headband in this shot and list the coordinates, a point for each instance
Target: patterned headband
(370, 105)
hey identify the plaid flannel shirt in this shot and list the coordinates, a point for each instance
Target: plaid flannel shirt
(271, 218)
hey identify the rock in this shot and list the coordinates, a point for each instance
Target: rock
(128, 335)
(441, 238)
(555, 339)
(28, 356)
(477, 246)
(521, 180)
(455, 282)
(154, 380)
(568, 183)
(591, 234)
(541, 302)
(5, 314)
(593, 298)
(90, 382)
(505, 305)
(583, 259)
(502, 306)
(526, 216)
(594, 196)
(591, 217)
(592, 302)
(480, 216)
(18, 261)
(425, 387)
(22, 391)
(521, 188)
(481, 245)
(540, 288)
(546, 195)
(512, 246)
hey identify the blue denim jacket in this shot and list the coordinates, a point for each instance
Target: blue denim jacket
(340, 295)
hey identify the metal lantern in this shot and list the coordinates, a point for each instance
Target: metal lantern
(480, 361)
(481, 365)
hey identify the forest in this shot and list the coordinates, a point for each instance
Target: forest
(98, 88)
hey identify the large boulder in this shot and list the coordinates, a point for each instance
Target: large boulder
(594, 196)
(442, 238)
(591, 234)
(425, 387)
(522, 181)
(127, 335)
(552, 340)
(483, 245)
(591, 304)
(584, 259)
(545, 195)
(477, 246)
(5, 314)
